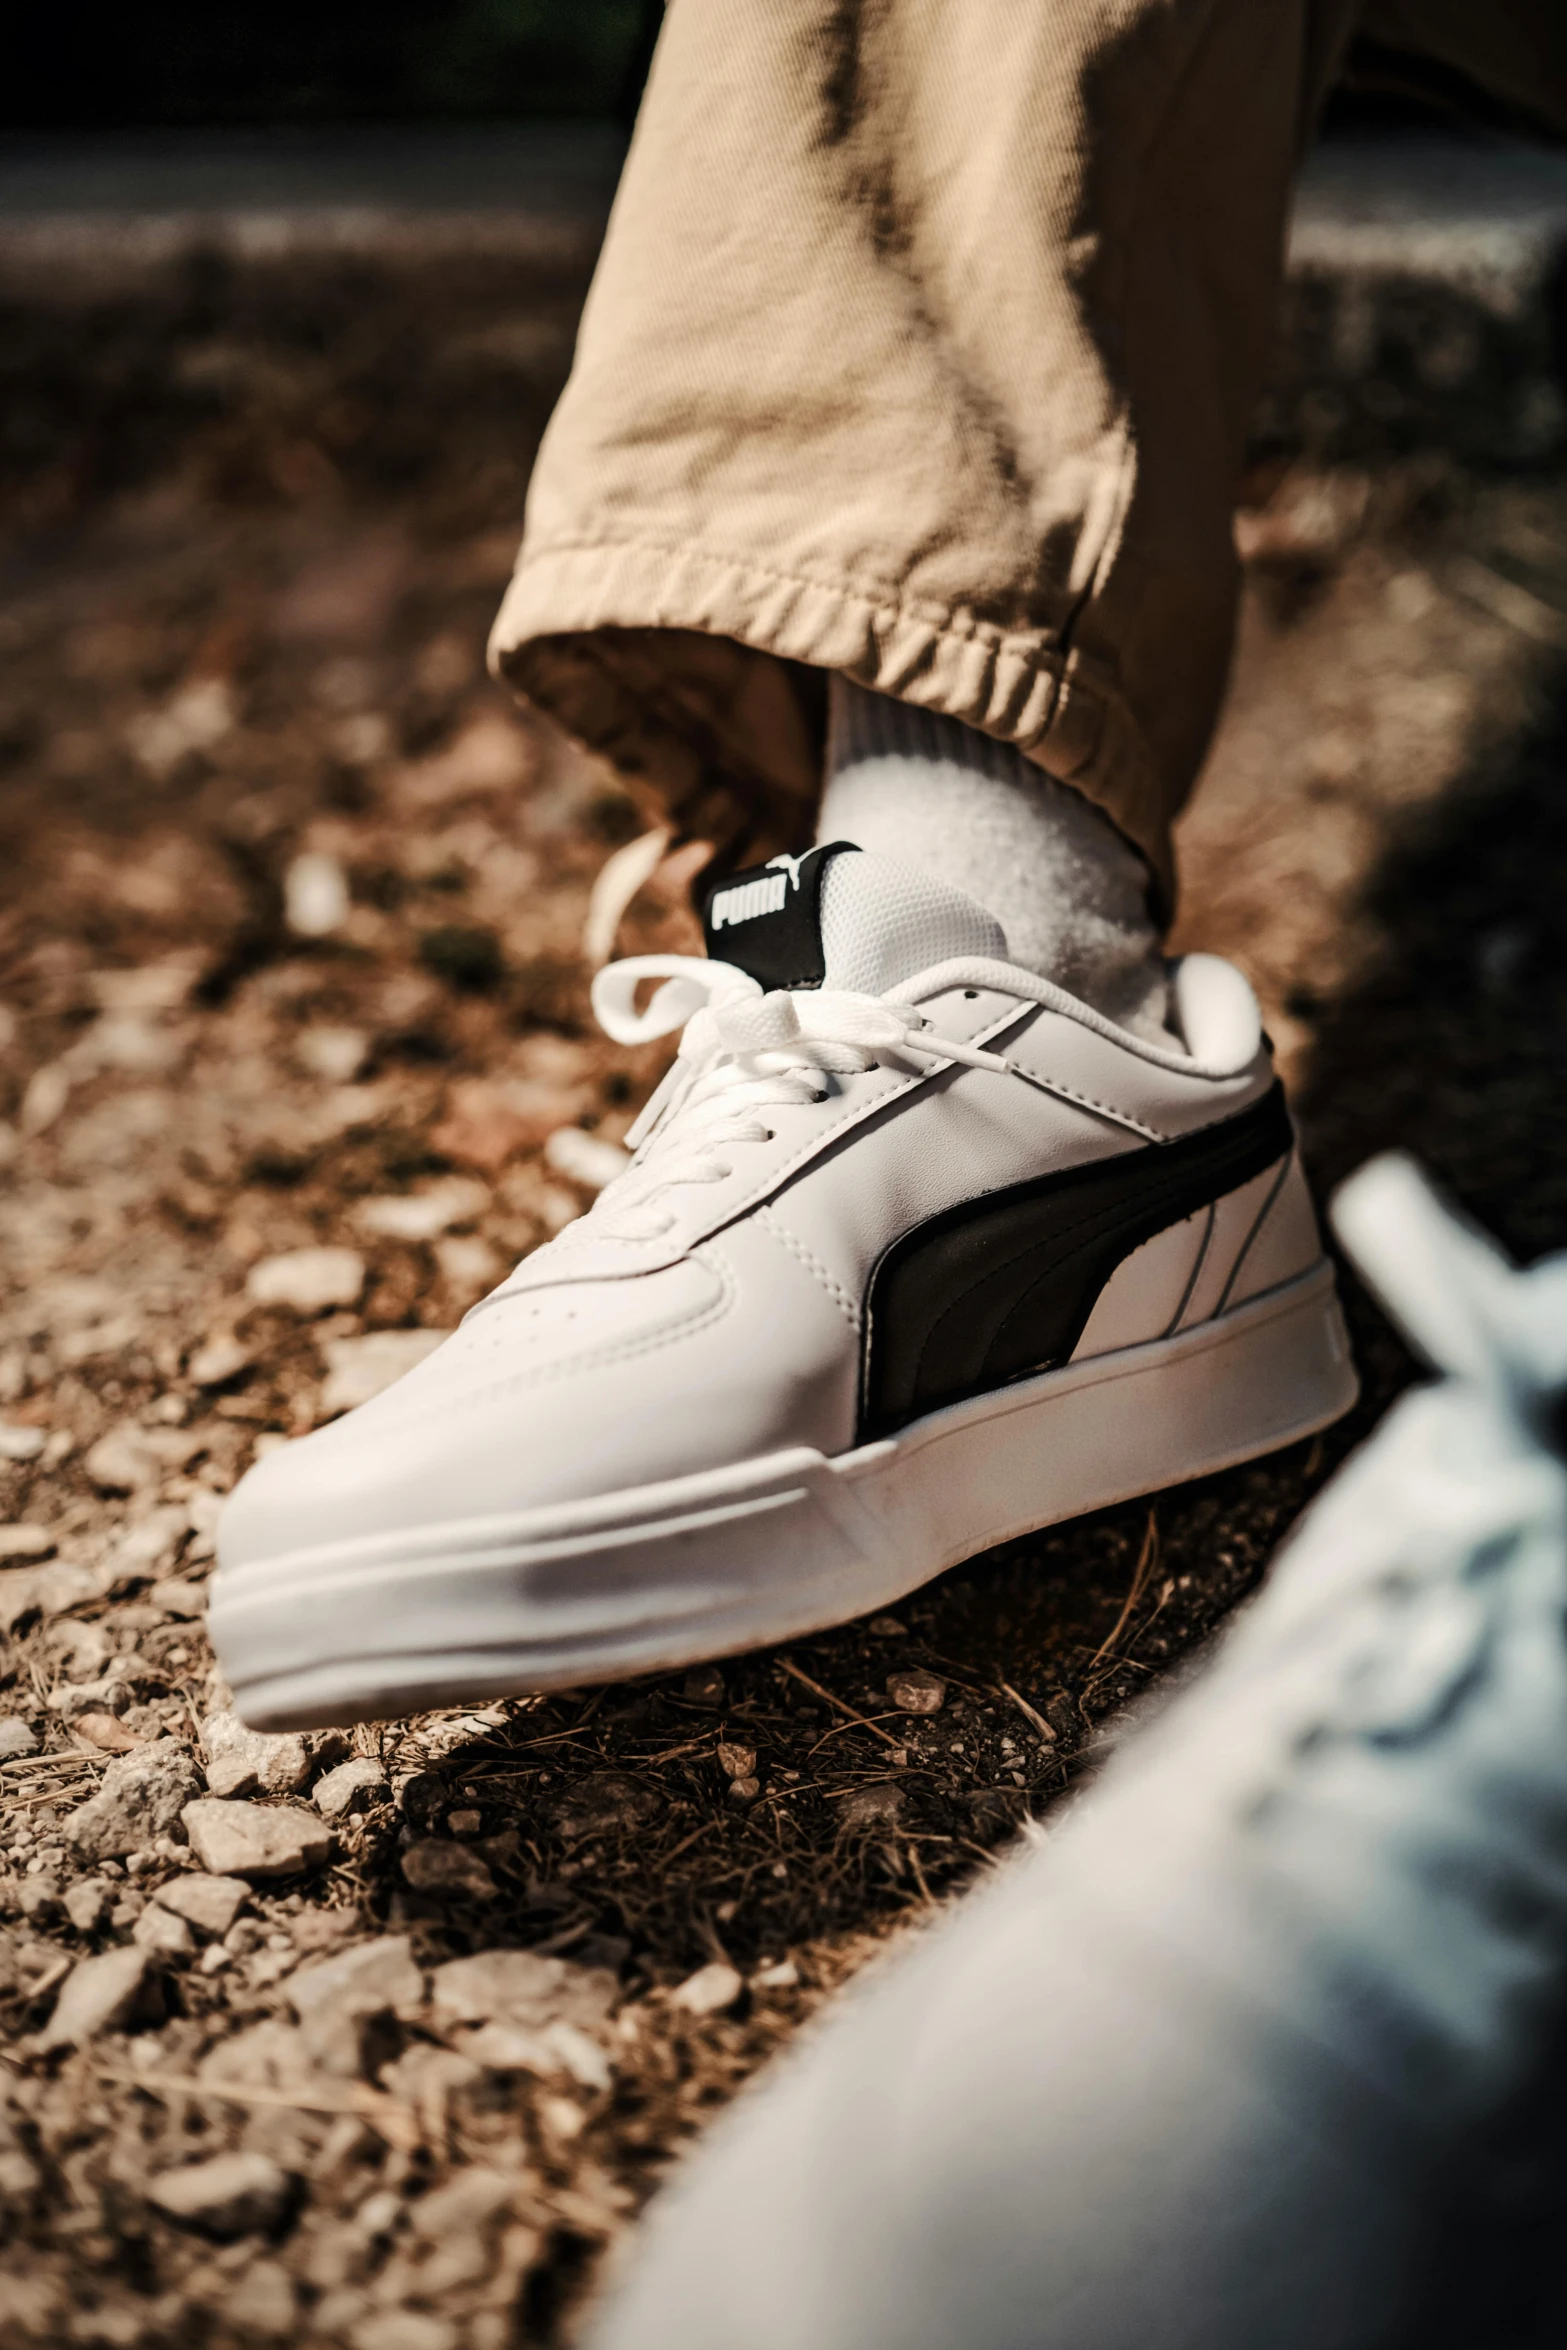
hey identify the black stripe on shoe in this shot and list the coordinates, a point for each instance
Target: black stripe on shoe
(1001, 1287)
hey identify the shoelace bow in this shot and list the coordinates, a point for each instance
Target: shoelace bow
(743, 1052)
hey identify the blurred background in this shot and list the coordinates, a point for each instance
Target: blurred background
(171, 61)
(296, 1059)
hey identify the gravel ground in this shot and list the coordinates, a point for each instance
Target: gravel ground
(380, 2040)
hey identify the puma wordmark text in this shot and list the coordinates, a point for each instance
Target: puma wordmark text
(915, 1253)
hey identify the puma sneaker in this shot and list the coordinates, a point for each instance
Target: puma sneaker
(916, 1253)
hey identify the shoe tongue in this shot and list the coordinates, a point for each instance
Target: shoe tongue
(839, 917)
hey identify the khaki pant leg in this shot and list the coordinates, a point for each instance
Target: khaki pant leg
(922, 347)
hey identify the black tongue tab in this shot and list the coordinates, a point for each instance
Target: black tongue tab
(768, 921)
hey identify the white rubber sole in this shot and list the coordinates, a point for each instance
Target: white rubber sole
(666, 1575)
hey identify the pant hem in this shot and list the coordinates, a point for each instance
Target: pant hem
(1017, 686)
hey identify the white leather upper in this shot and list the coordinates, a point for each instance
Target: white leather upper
(610, 1360)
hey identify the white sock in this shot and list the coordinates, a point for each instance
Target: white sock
(1068, 889)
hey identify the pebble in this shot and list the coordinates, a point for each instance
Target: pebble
(315, 895)
(358, 1368)
(230, 2195)
(143, 1795)
(88, 1902)
(449, 1871)
(307, 1280)
(354, 1786)
(249, 1762)
(738, 1761)
(372, 1978)
(45, 1591)
(585, 1158)
(521, 1988)
(871, 1807)
(20, 1444)
(255, 1840)
(16, 1739)
(334, 1054)
(211, 1904)
(403, 2329)
(179, 1596)
(24, 1542)
(96, 1995)
(261, 2303)
(130, 1456)
(710, 1990)
(160, 1931)
(424, 1215)
(780, 1975)
(915, 1691)
(219, 1359)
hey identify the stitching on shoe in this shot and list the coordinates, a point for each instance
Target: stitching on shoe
(813, 1264)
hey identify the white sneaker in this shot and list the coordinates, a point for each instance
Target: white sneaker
(917, 1253)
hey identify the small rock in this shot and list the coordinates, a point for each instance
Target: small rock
(744, 1790)
(97, 1994)
(871, 1807)
(915, 1691)
(335, 1054)
(261, 2303)
(403, 2329)
(106, 1732)
(143, 1795)
(738, 1761)
(249, 1762)
(585, 1158)
(710, 1990)
(315, 895)
(252, 1840)
(354, 1786)
(230, 2195)
(45, 1591)
(358, 1368)
(160, 1931)
(16, 1739)
(38, 1898)
(129, 1456)
(467, 2205)
(521, 1988)
(372, 1978)
(82, 1700)
(781, 1975)
(307, 1280)
(211, 1904)
(24, 1542)
(606, 1803)
(180, 1596)
(315, 1930)
(147, 1548)
(219, 1359)
(20, 1444)
(449, 1871)
(424, 1215)
(88, 1902)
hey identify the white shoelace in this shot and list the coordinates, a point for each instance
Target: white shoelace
(745, 1052)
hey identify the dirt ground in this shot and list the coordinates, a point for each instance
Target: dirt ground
(291, 958)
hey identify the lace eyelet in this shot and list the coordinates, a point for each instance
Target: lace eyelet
(971, 995)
